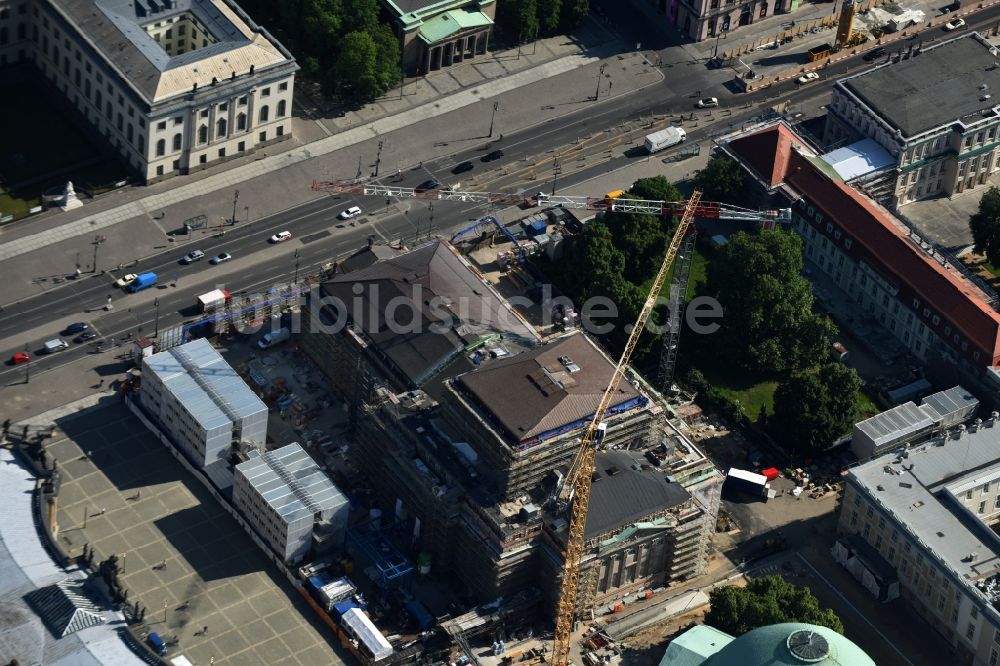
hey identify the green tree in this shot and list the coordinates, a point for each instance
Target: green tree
(592, 265)
(548, 16)
(813, 409)
(320, 25)
(387, 68)
(360, 16)
(519, 18)
(720, 180)
(573, 13)
(765, 601)
(769, 326)
(656, 188)
(985, 226)
(356, 65)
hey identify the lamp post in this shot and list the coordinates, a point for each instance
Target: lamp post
(156, 305)
(600, 73)
(295, 280)
(246, 211)
(27, 365)
(98, 240)
(555, 174)
(236, 197)
(496, 105)
(378, 156)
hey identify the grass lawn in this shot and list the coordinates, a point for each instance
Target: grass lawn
(752, 392)
(866, 407)
(991, 268)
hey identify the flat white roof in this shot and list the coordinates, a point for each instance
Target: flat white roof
(858, 159)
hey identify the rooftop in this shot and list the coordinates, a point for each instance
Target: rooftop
(547, 388)
(208, 387)
(779, 157)
(422, 310)
(291, 482)
(918, 486)
(897, 422)
(118, 29)
(929, 90)
(859, 158)
(623, 493)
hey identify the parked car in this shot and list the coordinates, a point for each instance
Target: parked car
(431, 184)
(954, 24)
(280, 237)
(125, 280)
(353, 211)
(19, 358)
(707, 103)
(462, 167)
(495, 155)
(807, 78)
(220, 258)
(77, 327)
(193, 256)
(83, 337)
(875, 54)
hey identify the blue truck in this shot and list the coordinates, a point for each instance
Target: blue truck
(142, 281)
(157, 643)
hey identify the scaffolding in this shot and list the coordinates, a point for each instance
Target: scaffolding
(678, 293)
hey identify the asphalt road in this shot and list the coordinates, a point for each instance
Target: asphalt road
(319, 238)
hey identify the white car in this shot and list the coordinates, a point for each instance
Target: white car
(125, 280)
(353, 211)
(707, 103)
(220, 258)
(193, 256)
(807, 77)
(954, 24)
(280, 237)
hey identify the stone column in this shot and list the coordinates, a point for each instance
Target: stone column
(427, 67)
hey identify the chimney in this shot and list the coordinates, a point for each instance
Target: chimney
(194, 88)
(232, 77)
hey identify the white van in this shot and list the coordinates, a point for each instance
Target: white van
(53, 346)
(273, 338)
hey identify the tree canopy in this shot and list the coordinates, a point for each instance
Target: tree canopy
(769, 326)
(720, 180)
(813, 409)
(765, 601)
(525, 20)
(985, 226)
(342, 43)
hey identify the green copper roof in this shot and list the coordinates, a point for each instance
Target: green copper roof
(791, 644)
(695, 646)
(450, 22)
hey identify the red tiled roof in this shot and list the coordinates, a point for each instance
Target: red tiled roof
(880, 241)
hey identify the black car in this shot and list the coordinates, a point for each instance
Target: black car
(83, 337)
(77, 327)
(495, 155)
(463, 167)
(431, 184)
(874, 54)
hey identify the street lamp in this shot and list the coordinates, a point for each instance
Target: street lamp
(378, 157)
(295, 280)
(156, 304)
(98, 240)
(597, 93)
(27, 365)
(555, 174)
(246, 211)
(496, 105)
(236, 197)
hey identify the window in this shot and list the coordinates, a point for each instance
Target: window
(203, 113)
(159, 170)
(177, 141)
(162, 125)
(202, 159)
(241, 122)
(283, 86)
(220, 127)
(262, 137)
(243, 101)
(241, 146)
(161, 148)
(970, 631)
(935, 320)
(203, 134)
(266, 92)
(854, 516)
(222, 152)
(975, 613)
(262, 118)
(993, 656)
(281, 109)
(892, 554)
(982, 507)
(280, 131)
(179, 120)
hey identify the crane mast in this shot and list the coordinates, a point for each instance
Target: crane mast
(578, 480)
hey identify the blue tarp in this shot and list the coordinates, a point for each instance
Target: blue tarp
(419, 615)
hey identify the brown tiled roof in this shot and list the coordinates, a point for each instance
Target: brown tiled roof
(534, 392)
(881, 241)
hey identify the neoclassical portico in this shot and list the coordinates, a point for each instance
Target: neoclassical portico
(437, 34)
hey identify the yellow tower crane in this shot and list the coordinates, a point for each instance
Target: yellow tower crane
(576, 486)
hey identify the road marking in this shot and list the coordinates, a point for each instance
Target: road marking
(853, 608)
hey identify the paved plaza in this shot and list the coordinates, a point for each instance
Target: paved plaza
(202, 580)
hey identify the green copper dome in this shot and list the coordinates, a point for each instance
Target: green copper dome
(791, 644)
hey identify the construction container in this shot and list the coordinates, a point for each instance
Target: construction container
(535, 227)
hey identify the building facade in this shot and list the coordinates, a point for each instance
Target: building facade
(715, 19)
(290, 502)
(893, 277)
(434, 34)
(203, 405)
(170, 86)
(940, 121)
(930, 514)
